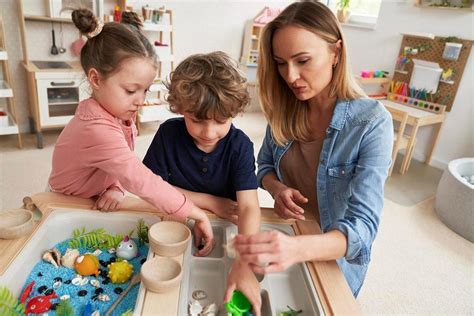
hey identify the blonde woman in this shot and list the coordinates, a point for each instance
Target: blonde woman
(327, 147)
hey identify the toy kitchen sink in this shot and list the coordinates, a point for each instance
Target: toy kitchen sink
(316, 288)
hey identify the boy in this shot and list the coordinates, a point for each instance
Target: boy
(205, 156)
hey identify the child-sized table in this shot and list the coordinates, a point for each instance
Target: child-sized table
(331, 287)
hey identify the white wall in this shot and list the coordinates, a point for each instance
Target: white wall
(204, 26)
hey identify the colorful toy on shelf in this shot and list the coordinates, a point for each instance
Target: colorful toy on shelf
(127, 249)
(238, 305)
(120, 272)
(374, 74)
(40, 304)
(87, 264)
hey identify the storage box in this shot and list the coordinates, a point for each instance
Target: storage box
(452, 51)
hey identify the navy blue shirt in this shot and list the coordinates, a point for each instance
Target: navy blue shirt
(229, 168)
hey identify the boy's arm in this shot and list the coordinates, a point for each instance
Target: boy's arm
(248, 211)
(222, 207)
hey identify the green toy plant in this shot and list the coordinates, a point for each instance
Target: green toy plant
(65, 308)
(97, 238)
(343, 4)
(290, 312)
(10, 306)
(142, 232)
(128, 313)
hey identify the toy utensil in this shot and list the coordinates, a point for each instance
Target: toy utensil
(54, 49)
(135, 280)
(62, 49)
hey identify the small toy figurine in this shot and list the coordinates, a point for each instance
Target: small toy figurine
(26, 292)
(127, 249)
(120, 272)
(40, 304)
(87, 264)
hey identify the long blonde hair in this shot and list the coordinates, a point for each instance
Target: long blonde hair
(286, 114)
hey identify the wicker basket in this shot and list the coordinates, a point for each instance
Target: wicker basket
(15, 223)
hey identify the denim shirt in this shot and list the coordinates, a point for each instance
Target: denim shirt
(354, 163)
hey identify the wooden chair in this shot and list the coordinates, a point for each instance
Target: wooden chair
(400, 140)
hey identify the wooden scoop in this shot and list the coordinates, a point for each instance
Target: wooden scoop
(135, 280)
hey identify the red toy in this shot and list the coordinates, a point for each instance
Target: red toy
(26, 292)
(40, 304)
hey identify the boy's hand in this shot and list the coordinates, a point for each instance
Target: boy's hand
(109, 200)
(242, 278)
(203, 232)
(224, 208)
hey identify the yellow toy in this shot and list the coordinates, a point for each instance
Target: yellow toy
(87, 264)
(120, 272)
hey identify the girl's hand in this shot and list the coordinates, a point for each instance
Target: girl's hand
(109, 200)
(203, 232)
(224, 208)
(268, 251)
(243, 279)
(285, 203)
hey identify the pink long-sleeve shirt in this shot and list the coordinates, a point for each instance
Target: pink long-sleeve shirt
(95, 152)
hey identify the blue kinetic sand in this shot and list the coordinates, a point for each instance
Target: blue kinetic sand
(45, 275)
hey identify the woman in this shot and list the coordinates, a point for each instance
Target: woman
(327, 147)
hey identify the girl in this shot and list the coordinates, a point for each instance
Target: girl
(94, 155)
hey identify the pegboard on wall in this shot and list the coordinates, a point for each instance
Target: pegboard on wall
(431, 50)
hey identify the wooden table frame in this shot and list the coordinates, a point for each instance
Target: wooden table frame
(331, 286)
(418, 118)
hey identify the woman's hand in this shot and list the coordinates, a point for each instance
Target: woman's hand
(285, 203)
(243, 279)
(268, 251)
(109, 200)
(202, 232)
(222, 207)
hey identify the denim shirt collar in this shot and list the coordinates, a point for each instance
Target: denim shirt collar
(341, 112)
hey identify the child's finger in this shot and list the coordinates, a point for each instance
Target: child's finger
(228, 293)
(299, 197)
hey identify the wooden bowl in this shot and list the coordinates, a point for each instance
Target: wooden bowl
(161, 274)
(15, 223)
(168, 238)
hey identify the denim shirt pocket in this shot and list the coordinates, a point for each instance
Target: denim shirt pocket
(340, 177)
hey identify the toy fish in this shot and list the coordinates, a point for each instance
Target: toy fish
(127, 249)
(40, 304)
(87, 264)
(26, 292)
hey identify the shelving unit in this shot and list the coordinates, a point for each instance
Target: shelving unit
(382, 84)
(251, 43)
(446, 5)
(8, 122)
(155, 107)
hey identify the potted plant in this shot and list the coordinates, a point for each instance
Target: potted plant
(343, 12)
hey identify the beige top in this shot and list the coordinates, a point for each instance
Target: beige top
(298, 167)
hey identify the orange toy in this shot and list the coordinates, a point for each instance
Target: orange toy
(87, 264)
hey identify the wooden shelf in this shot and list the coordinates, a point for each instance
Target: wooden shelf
(10, 129)
(373, 80)
(5, 90)
(40, 18)
(154, 27)
(157, 87)
(444, 8)
(151, 113)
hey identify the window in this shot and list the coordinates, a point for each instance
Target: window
(363, 13)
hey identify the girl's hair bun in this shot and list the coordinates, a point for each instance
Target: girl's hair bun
(131, 18)
(84, 20)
